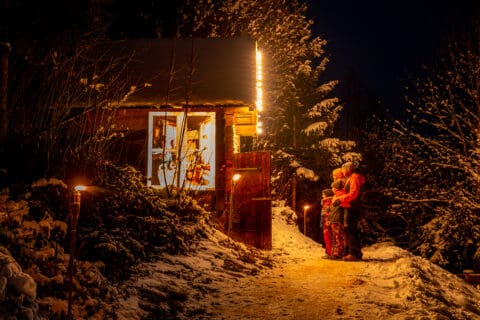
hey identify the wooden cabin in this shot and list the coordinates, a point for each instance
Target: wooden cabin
(193, 118)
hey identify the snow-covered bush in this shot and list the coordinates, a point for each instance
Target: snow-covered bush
(17, 289)
(286, 214)
(129, 221)
(122, 223)
(432, 160)
(34, 230)
(449, 239)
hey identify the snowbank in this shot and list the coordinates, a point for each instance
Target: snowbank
(226, 280)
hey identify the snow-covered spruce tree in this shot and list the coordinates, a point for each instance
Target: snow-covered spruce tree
(433, 166)
(300, 109)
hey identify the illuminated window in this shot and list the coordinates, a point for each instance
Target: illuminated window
(182, 152)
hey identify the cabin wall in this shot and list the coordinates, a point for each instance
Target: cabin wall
(133, 150)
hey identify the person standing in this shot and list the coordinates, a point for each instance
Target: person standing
(338, 175)
(351, 199)
(327, 195)
(336, 222)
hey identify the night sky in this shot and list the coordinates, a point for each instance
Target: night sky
(382, 43)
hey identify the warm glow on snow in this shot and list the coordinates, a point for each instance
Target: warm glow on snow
(390, 283)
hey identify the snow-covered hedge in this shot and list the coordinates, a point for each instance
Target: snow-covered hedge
(121, 224)
(17, 289)
(129, 221)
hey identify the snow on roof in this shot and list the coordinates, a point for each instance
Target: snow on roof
(206, 71)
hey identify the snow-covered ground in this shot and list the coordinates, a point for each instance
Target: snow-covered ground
(226, 280)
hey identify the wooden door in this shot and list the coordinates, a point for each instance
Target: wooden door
(252, 213)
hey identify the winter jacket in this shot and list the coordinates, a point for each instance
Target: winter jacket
(353, 185)
(326, 204)
(336, 212)
(339, 185)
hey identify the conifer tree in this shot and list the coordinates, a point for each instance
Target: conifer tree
(301, 109)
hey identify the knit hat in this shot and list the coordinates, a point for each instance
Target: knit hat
(328, 192)
(338, 184)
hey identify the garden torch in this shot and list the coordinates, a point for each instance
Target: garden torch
(74, 215)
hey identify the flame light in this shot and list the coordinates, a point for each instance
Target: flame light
(305, 209)
(80, 188)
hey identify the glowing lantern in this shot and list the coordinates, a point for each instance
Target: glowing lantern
(305, 209)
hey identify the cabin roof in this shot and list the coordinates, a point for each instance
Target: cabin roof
(202, 71)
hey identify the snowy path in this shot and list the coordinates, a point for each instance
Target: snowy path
(300, 286)
(307, 290)
(389, 283)
(221, 282)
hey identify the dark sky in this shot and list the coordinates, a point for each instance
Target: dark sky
(383, 41)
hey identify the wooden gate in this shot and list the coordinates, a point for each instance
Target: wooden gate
(252, 212)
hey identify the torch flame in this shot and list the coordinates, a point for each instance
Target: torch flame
(80, 188)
